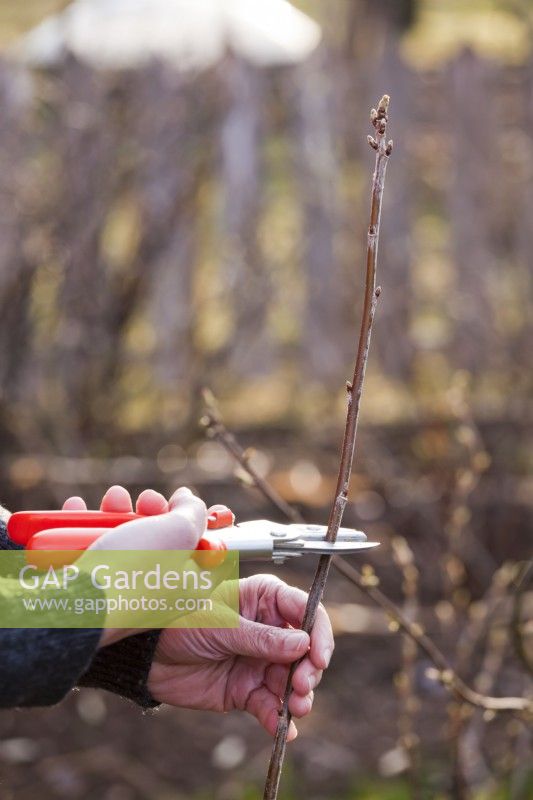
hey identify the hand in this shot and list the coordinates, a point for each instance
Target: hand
(246, 668)
(181, 529)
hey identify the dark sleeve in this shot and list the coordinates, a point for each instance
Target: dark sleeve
(38, 667)
(123, 668)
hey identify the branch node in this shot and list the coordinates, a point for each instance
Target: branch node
(372, 142)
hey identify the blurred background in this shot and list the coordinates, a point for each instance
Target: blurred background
(184, 192)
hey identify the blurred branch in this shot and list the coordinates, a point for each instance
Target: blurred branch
(368, 583)
(475, 768)
(516, 622)
(495, 600)
(445, 673)
(215, 429)
(465, 547)
(405, 679)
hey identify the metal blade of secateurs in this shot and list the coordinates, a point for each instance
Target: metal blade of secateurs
(329, 548)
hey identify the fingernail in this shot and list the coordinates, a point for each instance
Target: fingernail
(295, 640)
(311, 682)
(327, 656)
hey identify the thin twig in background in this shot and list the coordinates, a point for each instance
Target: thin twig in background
(465, 550)
(517, 626)
(472, 761)
(444, 671)
(215, 428)
(405, 680)
(368, 582)
(487, 608)
(466, 726)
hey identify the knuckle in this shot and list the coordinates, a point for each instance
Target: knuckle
(261, 585)
(264, 578)
(292, 594)
(268, 640)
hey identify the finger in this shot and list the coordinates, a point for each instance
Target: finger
(322, 642)
(150, 502)
(300, 706)
(190, 507)
(264, 706)
(217, 507)
(75, 504)
(277, 645)
(291, 604)
(276, 678)
(304, 680)
(179, 530)
(224, 515)
(116, 499)
(306, 677)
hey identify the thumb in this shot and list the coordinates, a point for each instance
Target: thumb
(255, 640)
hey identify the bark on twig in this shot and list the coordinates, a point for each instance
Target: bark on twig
(383, 150)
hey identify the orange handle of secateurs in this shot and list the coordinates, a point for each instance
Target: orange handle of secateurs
(25, 524)
(77, 530)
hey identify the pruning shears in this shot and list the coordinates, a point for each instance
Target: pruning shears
(256, 540)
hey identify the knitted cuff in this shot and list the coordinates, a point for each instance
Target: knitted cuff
(123, 668)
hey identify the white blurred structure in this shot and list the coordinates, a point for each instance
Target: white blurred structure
(190, 34)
